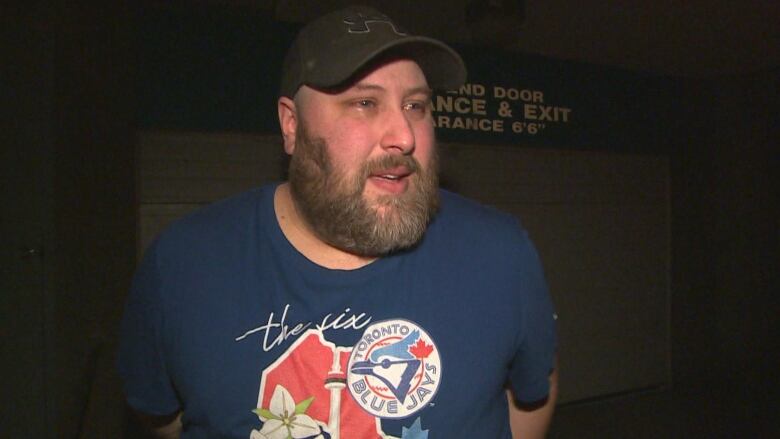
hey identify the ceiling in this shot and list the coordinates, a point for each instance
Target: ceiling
(690, 38)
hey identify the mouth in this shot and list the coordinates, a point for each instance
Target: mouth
(393, 174)
(393, 180)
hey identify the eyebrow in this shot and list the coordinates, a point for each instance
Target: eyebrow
(367, 86)
(423, 89)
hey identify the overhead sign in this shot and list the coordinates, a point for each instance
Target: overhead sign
(497, 109)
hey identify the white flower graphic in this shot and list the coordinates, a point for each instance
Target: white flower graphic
(284, 419)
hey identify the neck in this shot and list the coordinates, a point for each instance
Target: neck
(300, 234)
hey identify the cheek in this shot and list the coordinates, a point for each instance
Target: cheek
(425, 144)
(343, 135)
(351, 142)
(349, 147)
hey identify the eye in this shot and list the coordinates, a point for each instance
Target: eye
(365, 103)
(416, 107)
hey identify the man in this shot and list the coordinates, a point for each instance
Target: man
(356, 300)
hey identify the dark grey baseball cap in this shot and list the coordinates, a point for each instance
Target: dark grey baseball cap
(334, 47)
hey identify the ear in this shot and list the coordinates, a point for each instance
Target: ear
(288, 122)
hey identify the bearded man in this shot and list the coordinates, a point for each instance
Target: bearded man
(356, 300)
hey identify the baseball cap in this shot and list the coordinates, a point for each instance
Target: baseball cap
(331, 49)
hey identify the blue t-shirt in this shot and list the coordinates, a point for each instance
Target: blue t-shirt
(228, 322)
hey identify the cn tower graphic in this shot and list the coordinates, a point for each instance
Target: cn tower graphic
(336, 381)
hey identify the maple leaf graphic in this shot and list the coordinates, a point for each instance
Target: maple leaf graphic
(421, 349)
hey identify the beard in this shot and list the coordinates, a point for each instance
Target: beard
(333, 204)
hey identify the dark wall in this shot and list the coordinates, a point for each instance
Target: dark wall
(724, 219)
(94, 211)
(724, 216)
(725, 239)
(71, 152)
(25, 221)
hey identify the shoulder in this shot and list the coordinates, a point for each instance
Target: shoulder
(483, 237)
(217, 225)
(465, 219)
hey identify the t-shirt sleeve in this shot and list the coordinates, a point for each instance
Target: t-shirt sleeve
(534, 360)
(141, 356)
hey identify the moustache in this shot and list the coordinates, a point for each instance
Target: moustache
(389, 162)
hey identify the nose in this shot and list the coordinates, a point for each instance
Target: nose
(398, 134)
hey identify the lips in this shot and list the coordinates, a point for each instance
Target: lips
(392, 180)
(393, 174)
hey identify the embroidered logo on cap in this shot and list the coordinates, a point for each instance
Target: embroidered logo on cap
(359, 23)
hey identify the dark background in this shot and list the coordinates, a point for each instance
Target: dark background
(73, 90)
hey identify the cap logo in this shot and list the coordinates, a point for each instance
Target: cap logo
(360, 23)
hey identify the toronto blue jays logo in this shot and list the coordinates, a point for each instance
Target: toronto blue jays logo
(359, 23)
(394, 370)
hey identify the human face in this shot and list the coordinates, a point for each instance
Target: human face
(363, 171)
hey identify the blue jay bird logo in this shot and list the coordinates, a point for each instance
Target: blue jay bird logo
(394, 370)
(382, 359)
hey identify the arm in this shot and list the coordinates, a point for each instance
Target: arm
(532, 421)
(162, 427)
(141, 358)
